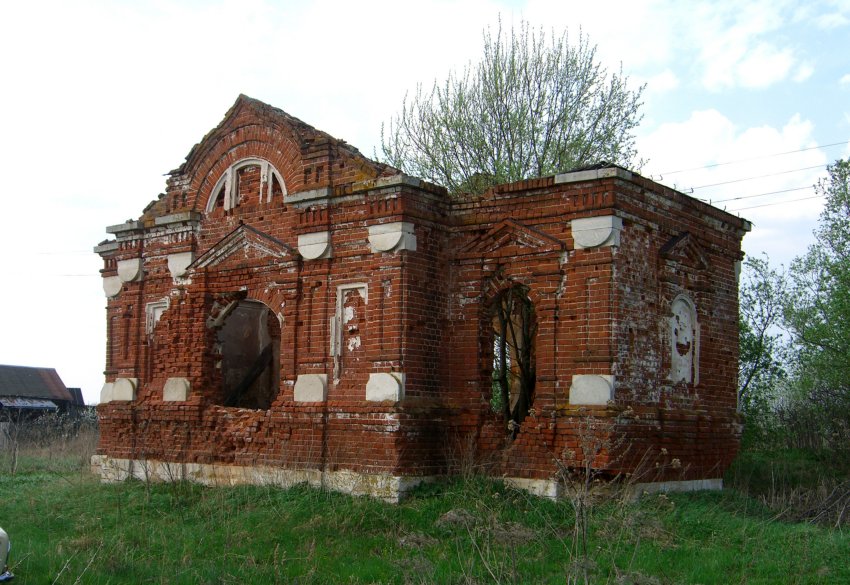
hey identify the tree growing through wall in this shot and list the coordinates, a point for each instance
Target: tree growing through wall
(534, 105)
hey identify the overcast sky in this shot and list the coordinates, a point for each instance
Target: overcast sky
(101, 99)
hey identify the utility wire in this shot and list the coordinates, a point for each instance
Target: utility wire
(66, 253)
(712, 201)
(759, 177)
(775, 203)
(731, 162)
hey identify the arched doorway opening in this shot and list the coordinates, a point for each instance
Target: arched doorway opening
(249, 342)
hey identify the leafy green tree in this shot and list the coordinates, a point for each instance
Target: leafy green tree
(762, 298)
(817, 311)
(533, 106)
(816, 413)
(799, 380)
(763, 346)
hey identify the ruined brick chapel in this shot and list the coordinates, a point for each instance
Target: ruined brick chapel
(291, 311)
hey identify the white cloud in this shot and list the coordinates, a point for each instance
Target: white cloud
(803, 72)
(832, 20)
(824, 14)
(715, 160)
(618, 28)
(662, 82)
(845, 80)
(675, 146)
(763, 65)
(735, 44)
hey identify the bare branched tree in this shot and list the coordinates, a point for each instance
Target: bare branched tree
(533, 106)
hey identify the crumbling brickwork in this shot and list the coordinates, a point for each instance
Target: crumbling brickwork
(290, 310)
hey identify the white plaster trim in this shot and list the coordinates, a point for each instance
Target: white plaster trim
(578, 176)
(592, 389)
(311, 388)
(176, 390)
(385, 386)
(393, 181)
(229, 179)
(183, 216)
(553, 489)
(315, 245)
(129, 226)
(130, 270)
(311, 195)
(592, 232)
(106, 392)
(688, 485)
(178, 263)
(394, 236)
(544, 488)
(112, 286)
(153, 311)
(109, 246)
(390, 488)
(124, 389)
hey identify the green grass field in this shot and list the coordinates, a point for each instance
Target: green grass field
(68, 528)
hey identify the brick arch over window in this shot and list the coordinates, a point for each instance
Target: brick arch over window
(278, 150)
(226, 192)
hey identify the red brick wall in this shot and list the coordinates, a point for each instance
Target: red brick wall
(602, 310)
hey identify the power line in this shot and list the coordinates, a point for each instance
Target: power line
(65, 253)
(42, 275)
(761, 194)
(731, 162)
(760, 176)
(776, 203)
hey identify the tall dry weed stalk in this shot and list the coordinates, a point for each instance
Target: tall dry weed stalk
(584, 485)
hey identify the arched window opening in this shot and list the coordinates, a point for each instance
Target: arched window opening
(249, 342)
(248, 185)
(248, 181)
(514, 326)
(218, 198)
(278, 190)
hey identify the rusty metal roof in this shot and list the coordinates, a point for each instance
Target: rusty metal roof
(27, 382)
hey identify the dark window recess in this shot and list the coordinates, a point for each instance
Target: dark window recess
(250, 356)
